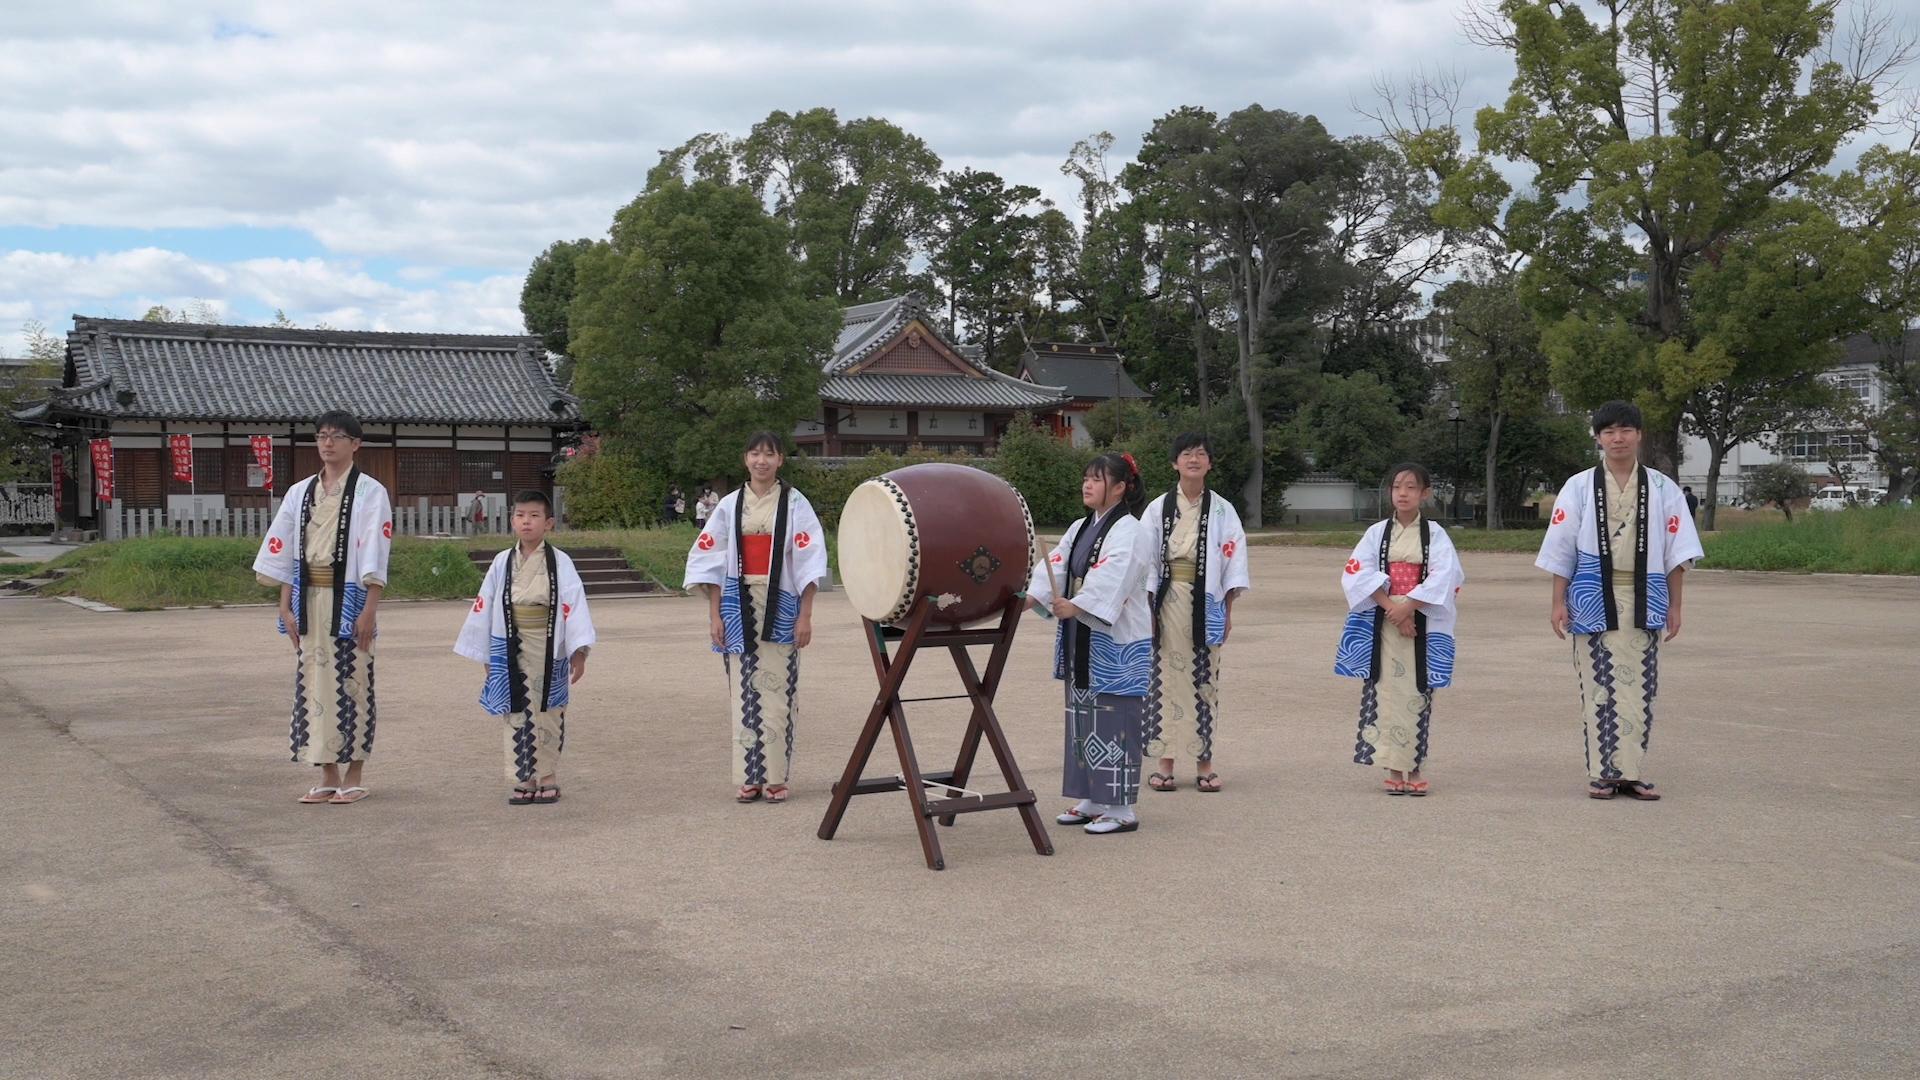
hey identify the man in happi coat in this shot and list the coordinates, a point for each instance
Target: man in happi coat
(1618, 545)
(327, 550)
(530, 626)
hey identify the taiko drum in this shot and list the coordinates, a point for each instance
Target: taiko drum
(954, 537)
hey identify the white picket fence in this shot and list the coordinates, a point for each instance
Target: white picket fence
(418, 519)
(26, 504)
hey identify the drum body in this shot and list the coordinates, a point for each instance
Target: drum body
(956, 536)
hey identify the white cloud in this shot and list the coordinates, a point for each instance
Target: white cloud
(51, 288)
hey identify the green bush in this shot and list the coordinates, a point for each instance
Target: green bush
(1044, 469)
(828, 486)
(1880, 540)
(611, 489)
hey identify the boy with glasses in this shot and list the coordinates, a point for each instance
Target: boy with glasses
(327, 551)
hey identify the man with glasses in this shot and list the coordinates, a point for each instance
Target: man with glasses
(327, 551)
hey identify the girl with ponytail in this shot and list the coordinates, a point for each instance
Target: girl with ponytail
(1103, 648)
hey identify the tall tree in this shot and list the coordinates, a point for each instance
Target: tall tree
(547, 295)
(1655, 133)
(987, 254)
(23, 455)
(860, 196)
(692, 327)
(1494, 361)
(1258, 188)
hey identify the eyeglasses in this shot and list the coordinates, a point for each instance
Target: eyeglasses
(333, 437)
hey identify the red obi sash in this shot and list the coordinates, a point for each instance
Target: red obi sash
(756, 553)
(1402, 578)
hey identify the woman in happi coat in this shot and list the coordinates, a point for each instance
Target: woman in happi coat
(759, 560)
(1199, 566)
(1400, 582)
(1618, 543)
(1095, 582)
(327, 551)
(531, 627)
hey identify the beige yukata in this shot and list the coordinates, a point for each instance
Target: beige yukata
(769, 674)
(535, 738)
(1400, 712)
(333, 683)
(1618, 718)
(1189, 700)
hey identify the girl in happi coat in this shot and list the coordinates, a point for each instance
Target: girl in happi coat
(1095, 582)
(1198, 564)
(1400, 583)
(530, 626)
(759, 560)
(327, 551)
(1618, 543)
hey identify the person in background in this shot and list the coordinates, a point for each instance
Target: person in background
(1693, 502)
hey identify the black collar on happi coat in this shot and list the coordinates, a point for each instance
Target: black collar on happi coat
(1169, 513)
(1419, 617)
(521, 698)
(1600, 481)
(347, 488)
(1083, 641)
(775, 565)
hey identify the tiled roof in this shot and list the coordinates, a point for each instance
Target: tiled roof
(1862, 349)
(1087, 371)
(185, 371)
(996, 391)
(867, 328)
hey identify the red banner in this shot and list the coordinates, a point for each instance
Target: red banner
(263, 456)
(181, 449)
(59, 471)
(102, 469)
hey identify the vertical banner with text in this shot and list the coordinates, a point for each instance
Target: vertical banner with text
(102, 469)
(263, 460)
(180, 448)
(59, 474)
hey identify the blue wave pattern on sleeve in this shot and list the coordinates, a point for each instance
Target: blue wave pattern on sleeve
(557, 683)
(495, 696)
(1216, 620)
(1586, 604)
(1121, 670)
(1355, 658)
(1439, 660)
(730, 618)
(353, 600)
(786, 615)
(1656, 600)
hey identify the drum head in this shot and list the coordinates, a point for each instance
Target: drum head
(876, 557)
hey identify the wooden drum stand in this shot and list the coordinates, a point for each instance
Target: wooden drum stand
(888, 706)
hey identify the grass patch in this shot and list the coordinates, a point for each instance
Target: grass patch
(1880, 540)
(18, 569)
(212, 571)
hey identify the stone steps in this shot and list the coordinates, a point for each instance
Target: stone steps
(604, 573)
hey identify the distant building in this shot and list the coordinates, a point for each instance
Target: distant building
(894, 381)
(1857, 374)
(445, 415)
(1090, 374)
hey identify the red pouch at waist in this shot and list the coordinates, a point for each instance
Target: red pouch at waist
(756, 553)
(1402, 578)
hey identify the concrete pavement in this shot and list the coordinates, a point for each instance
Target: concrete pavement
(167, 909)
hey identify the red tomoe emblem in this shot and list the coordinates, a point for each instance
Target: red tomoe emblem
(1353, 566)
(386, 530)
(566, 611)
(705, 543)
(479, 602)
(1228, 548)
(1098, 565)
(1559, 516)
(275, 546)
(1673, 524)
(802, 540)
(1059, 558)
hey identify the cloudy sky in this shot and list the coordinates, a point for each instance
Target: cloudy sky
(397, 165)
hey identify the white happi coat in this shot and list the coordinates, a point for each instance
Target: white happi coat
(1115, 607)
(1226, 558)
(1363, 576)
(1571, 549)
(803, 563)
(370, 539)
(483, 637)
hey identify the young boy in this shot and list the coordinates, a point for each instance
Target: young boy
(327, 550)
(1618, 544)
(531, 628)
